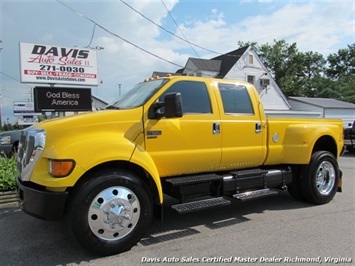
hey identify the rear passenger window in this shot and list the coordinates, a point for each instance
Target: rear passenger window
(195, 98)
(235, 99)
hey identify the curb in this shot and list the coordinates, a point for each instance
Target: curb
(8, 199)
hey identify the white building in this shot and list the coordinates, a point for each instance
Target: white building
(327, 108)
(245, 65)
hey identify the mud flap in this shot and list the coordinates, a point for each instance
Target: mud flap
(340, 183)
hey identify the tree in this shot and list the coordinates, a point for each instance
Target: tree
(254, 45)
(342, 64)
(309, 74)
(42, 117)
(284, 62)
(9, 127)
(341, 70)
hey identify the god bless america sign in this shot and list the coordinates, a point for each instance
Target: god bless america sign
(50, 99)
(59, 65)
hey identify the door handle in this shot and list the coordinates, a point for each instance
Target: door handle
(258, 128)
(216, 128)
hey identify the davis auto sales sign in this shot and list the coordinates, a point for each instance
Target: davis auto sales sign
(55, 64)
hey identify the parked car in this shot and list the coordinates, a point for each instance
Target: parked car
(349, 137)
(9, 142)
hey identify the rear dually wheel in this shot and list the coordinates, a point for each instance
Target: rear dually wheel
(319, 179)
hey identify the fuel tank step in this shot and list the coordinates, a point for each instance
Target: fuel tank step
(255, 194)
(200, 205)
(193, 179)
(249, 172)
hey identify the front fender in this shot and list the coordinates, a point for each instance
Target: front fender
(141, 157)
(87, 153)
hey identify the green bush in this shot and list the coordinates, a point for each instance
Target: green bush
(8, 173)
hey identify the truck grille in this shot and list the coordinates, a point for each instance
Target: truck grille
(20, 151)
(30, 148)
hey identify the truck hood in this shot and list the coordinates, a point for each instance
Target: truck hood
(99, 118)
(124, 123)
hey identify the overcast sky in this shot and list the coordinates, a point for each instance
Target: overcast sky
(216, 26)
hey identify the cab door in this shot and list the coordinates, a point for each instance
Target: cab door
(190, 144)
(242, 130)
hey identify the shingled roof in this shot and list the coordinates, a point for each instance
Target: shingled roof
(324, 102)
(221, 64)
(229, 60)
(206, 64)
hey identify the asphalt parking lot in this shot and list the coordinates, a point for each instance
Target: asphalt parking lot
(274, 230)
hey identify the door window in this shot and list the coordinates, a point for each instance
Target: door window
(195, 98)
(235, 99)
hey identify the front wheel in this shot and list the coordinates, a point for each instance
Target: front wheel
(319, 179)
(110, 212)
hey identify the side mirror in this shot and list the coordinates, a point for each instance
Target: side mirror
(172, 107)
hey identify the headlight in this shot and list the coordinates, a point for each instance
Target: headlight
(5, 140)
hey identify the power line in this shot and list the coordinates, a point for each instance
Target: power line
(116, 35)
(14, 79)
(92, 36)
(177, 26)
(138, 47)
(171, 33)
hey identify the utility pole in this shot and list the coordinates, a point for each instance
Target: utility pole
(1, 92)
(119, 90)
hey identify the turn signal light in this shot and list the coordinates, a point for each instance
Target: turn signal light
(156, 77)
(61, 168)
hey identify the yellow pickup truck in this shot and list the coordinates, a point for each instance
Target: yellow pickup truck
(202, 141)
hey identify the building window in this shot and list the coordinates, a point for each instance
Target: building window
(251, 59)
(251, 79)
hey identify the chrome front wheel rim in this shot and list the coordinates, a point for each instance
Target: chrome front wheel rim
(114, 213)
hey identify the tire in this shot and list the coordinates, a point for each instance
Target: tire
(110, 213)
(319, 179)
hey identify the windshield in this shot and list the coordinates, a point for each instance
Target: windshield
(139, 95)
